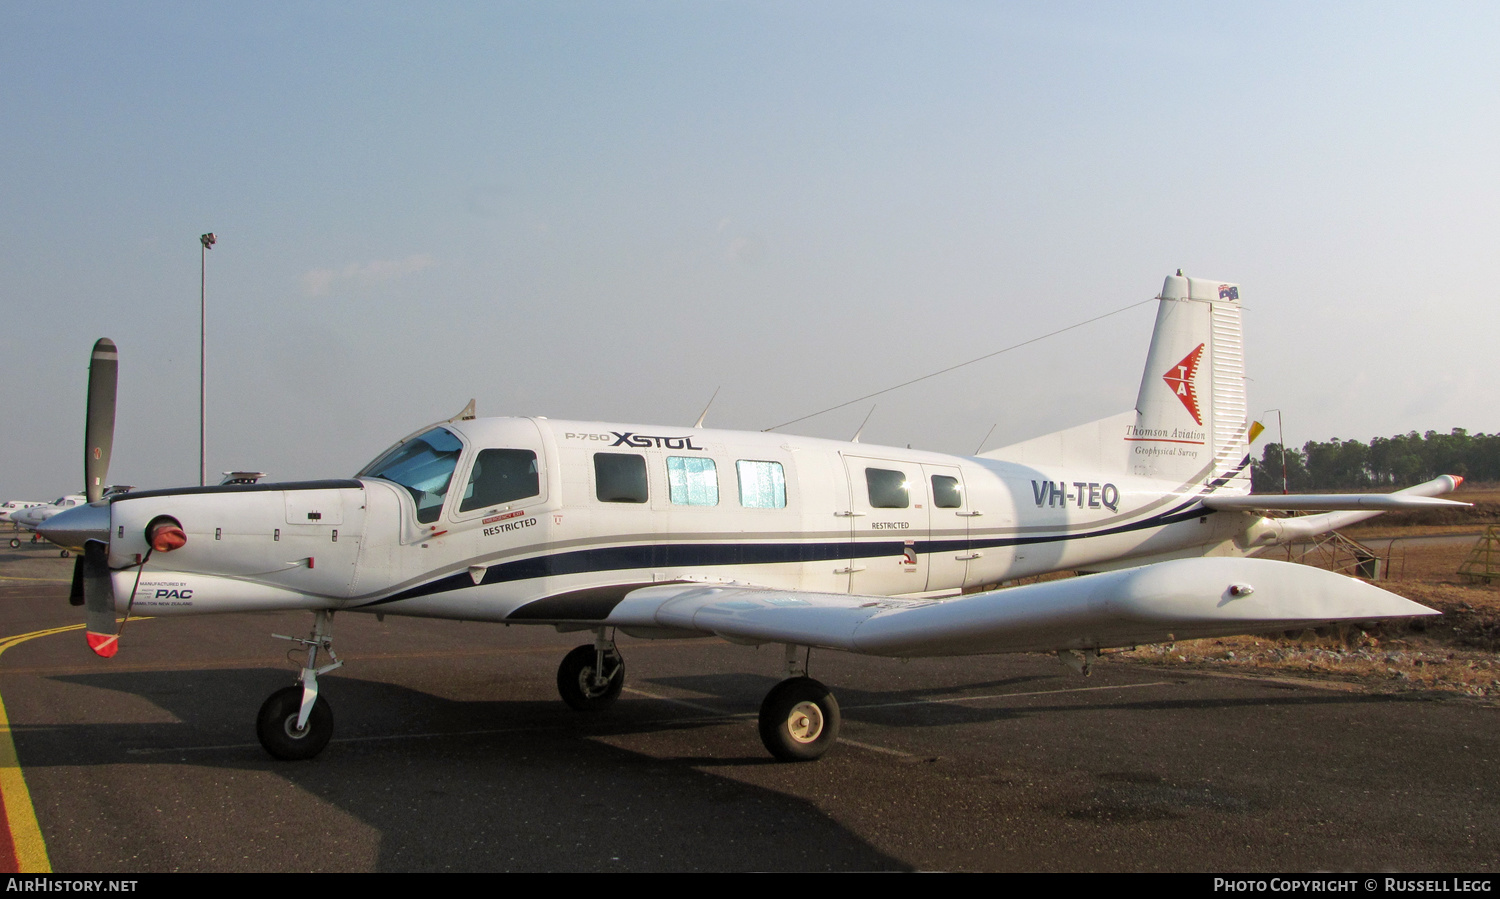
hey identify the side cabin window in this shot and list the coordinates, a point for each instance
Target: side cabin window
(692, 481)
(946, 493)
(620, 478)
(888, 489)
(501, 476)
(424, 466)
(762, 484)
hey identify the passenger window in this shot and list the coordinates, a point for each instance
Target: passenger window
(888, 489)
(501, 476)
(762, 484)
(620, 478)
(946, 493)
(692, 481)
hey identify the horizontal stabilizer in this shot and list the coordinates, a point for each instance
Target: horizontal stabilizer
(1326, 502)
(1286, 530)
(1177, 600)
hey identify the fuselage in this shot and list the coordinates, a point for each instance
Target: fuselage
(536, 520)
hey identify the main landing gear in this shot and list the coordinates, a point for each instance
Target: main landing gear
(295, 722)
(799, 718)
(590, 678)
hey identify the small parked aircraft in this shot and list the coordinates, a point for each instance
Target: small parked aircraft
(10, 507)
(33, 514)
(753, 537)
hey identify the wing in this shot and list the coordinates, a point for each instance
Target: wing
(1176, 600)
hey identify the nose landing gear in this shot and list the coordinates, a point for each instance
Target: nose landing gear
(295, 722)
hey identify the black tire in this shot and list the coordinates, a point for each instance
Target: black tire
(277, 721)
(64, 554)
(575, 680)
(799, 720)
(15, 543)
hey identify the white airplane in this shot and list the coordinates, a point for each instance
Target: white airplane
(16, 505)
(31, 517)
(757, 538)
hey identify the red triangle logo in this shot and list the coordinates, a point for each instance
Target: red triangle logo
(1181, 377)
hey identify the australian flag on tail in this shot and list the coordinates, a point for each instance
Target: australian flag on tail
(1228, 292)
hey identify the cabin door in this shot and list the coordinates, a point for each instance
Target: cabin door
(888, 508)
(949, 515)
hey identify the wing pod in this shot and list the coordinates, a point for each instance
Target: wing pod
(1176, 600)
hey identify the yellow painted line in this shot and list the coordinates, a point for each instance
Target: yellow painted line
(20, 817)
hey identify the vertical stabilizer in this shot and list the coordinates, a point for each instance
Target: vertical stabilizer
(1190, 423)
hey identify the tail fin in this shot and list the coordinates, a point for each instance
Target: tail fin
(1189, 425)
(1190, 420)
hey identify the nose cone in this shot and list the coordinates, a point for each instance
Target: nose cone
(71, 528)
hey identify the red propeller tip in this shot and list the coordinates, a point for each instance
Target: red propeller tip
(104, 645)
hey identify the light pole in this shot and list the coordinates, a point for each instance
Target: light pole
(1281, 435)
(208, 240)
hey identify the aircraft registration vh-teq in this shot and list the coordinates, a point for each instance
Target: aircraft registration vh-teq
(753, 537)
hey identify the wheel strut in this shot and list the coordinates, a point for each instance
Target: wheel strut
(320, 638)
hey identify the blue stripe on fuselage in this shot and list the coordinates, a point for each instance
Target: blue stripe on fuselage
(701, 555)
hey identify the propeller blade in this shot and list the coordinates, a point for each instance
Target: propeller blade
(75, 593)
(99, 599)
(99, 433)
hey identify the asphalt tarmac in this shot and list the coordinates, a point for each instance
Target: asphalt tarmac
(452, 752)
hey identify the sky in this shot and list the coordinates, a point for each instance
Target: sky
(609, 210)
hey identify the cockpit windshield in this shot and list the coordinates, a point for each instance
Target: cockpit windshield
(423, 465)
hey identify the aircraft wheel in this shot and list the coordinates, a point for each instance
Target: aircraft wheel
(799, 720)
(276, 725)
(15, 543)
(35, 538)
(575, 680)
(64, 554)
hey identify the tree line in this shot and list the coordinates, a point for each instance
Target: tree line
(1384, 462)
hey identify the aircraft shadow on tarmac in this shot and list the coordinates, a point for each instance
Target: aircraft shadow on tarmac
(500, 784)
(212, 708)
(520, 782)
(988, 701)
